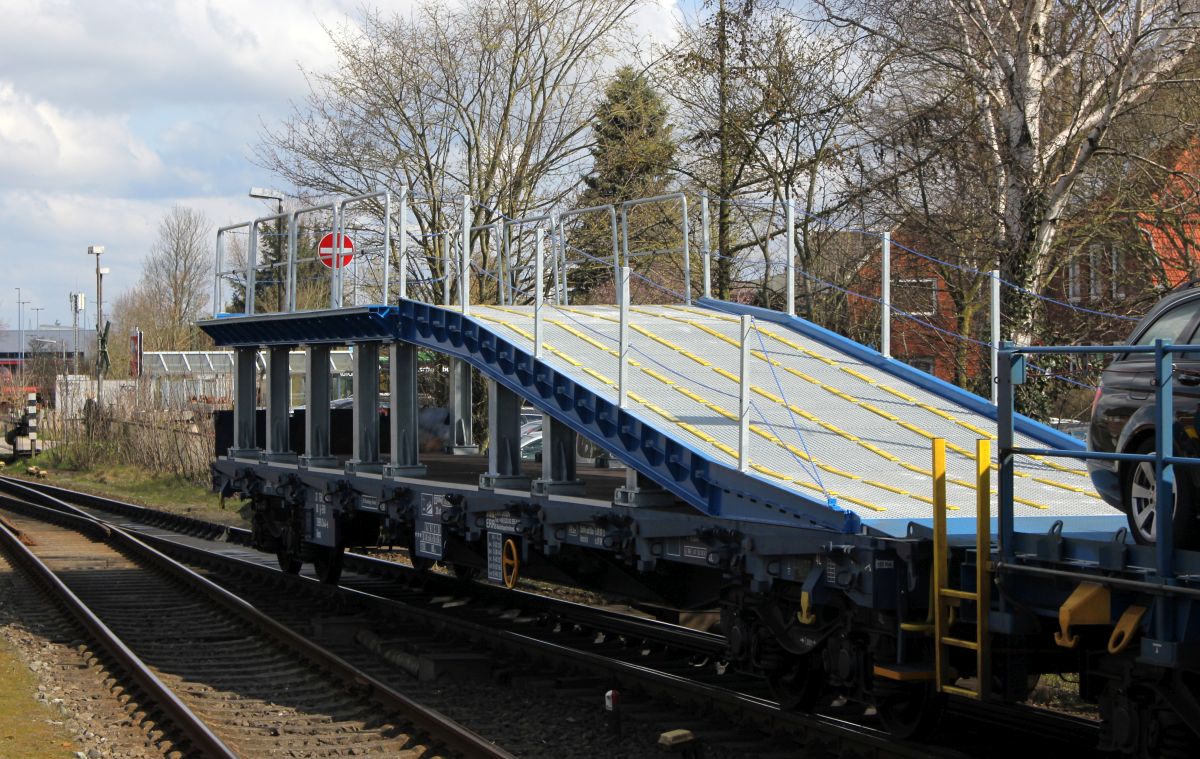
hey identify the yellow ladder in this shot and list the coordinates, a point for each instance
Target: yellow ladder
(945, 598)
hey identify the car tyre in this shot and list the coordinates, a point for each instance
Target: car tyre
(1141, 508)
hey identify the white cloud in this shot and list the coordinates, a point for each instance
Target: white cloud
(43, 146)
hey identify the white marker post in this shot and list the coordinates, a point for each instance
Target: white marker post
(538, 274)
(995, 274)
(464, 277)
(623, 340)
(791, 254)
(705, 244)
(744, 398)
(885, 300)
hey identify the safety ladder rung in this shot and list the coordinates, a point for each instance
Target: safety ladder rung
(957, 691)
(965, 595)
(960, 643)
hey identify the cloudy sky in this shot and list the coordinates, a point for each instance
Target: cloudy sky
(110, 112)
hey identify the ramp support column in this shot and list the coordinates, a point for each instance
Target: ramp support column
(462, 437)
(403, 424)
(640, 491)
(316, 413)
(558, 460)
(504, 445)
(245, 403)
(279, 446)
(366, 409)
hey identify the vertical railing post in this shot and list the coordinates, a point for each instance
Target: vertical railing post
(995, 334)
(940, 565)
(1164, 486)
(464, 276)
(251, 268)
(291, 262)
(403, 253)
(744, 396)
(538, 274)
(616, 247)
(706, 243)
(687, 253)
(335, 281)
(387, 242)
(885, 300)
(446, 268)
(1012, 372)
(983, 560)
(218, 296)
(791, 253)
(559, 243)
(623, 339)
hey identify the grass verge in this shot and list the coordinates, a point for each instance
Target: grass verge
(135, 485)
(27, 729)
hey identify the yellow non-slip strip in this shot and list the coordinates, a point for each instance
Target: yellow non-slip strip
(876, 410)
(839, 472)
(601, 377)
(858, 375)
(878, 451)
(657, 376)
(885, 486)
(919, 430)
(702, 312)
(697, 432)
(936, 410)
(895, 392)
(727, 449)
(766, 394)
(690, 394)
(801, 375)
(764, 357)
(562, 355)
(715, 333)
(589, 340)
(594, 314)
(1064, 486)
(928, 500)
(727, 374)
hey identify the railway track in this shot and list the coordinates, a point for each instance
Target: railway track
(570, 642)
(214, 676)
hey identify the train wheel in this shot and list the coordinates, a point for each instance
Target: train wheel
(327, 563)
(288, 562)
(910, 713)
(798, 685)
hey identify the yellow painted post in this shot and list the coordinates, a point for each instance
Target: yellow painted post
(940, 567)
(983, 555)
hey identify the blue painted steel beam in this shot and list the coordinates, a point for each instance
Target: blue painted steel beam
(342, 325)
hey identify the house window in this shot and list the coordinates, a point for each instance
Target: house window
(1094, 274)
(916, 296)
(1074, 282)
(1118, 291)
(923, 363)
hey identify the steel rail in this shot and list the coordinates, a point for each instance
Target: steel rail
(606, 620)
(443, 730)
(825, 726)
(202, 739)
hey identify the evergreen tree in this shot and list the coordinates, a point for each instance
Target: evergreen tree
(632, 158)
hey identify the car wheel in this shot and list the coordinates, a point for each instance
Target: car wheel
(1141, 502)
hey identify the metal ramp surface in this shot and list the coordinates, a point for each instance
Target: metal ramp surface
(831, 425)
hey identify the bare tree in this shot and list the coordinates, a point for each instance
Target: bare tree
(174, 289)
(1049, 81)
(491, 99)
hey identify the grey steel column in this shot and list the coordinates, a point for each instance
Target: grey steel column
(462, 437)
(558, 460)
(245, 402)
(504, 445)
(279, 446)
(365, 456)
(316, 414)
(403, 425)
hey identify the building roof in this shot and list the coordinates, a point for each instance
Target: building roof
(10, 340)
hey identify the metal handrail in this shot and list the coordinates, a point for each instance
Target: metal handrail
(1012, 363)
(687, 259)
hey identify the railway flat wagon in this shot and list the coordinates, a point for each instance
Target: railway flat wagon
(866, 531)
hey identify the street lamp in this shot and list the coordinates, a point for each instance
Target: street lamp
(20, 339)
(96, 250)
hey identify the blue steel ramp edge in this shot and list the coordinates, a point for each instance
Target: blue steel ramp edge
(714, 489)
(1035, 429)
(340, 325)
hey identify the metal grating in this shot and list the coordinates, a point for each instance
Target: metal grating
(825, 425)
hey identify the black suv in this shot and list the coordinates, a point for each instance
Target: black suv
(1123, 421)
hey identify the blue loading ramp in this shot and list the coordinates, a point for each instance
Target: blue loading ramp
(840, 435)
